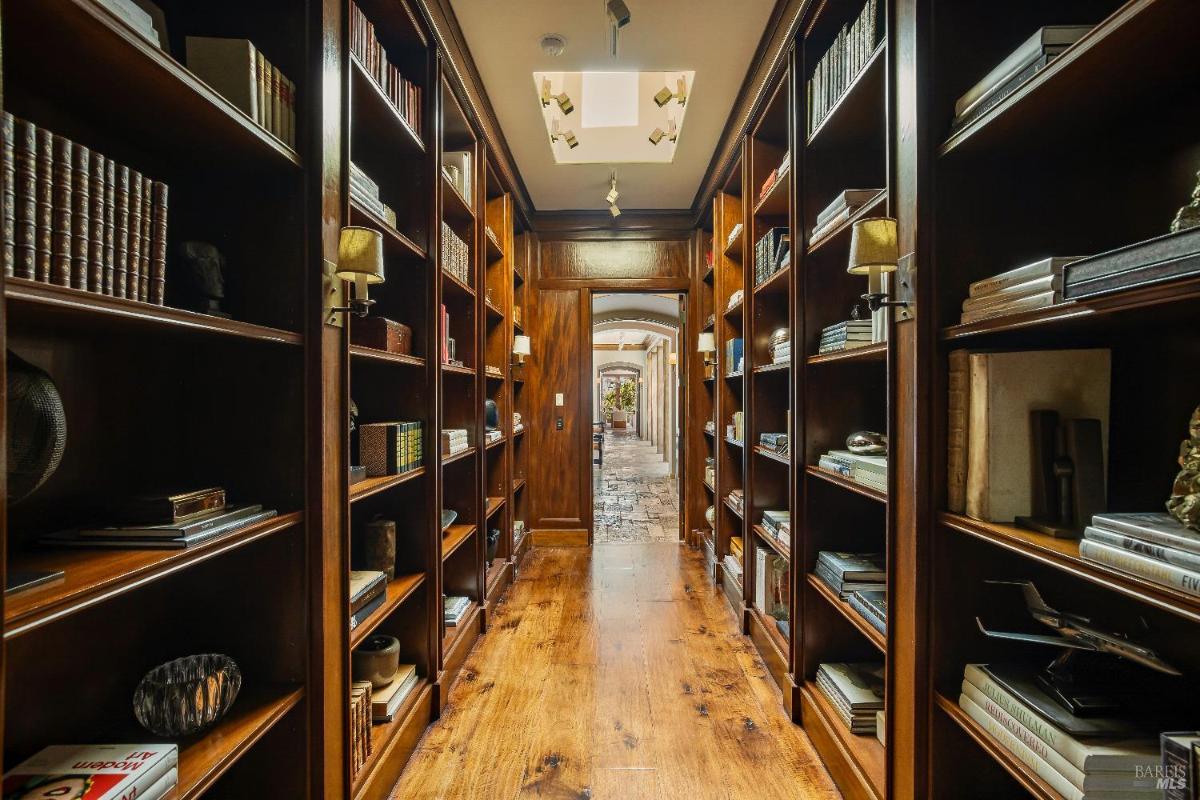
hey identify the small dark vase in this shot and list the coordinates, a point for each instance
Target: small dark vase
(376, 660)
(493, 543)
(491, 417)
(37, 428)
(186, 695)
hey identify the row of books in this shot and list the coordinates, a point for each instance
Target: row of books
(871, 605)
(1025, 288)
(454, 441)
(736, 429)
(391, 448)
(1019, 66)
(772, 252)
(842, 62)
(776, 176)
(1079, 757)
(365, 192)
(775, 442)
(736, 498)
(361, 745)
(779, 346)
(241, 74)
(846, 335)
(73, 217)
(870, 471)
(448, 347)
(838, 212)
(456, 255)
(856, 693)
(403, 94)
(847, 573)
(734, 352)
(772, 588)
(368, 590)
(455, 607)
(96, 772)
(734, 565)
(778, 523)
(991, 399)
(1153, 546)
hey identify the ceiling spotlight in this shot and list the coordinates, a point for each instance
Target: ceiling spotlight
(613, 194)
(563, 101)
(566, 136)
(665, 95)
(616, 212)
(657, 135)
(618, 17)
(671, 133)
(553, 44)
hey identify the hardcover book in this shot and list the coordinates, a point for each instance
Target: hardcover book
(91, 772)
(1158, 527)
(386, 701)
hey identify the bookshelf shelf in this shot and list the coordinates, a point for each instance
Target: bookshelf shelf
(395, 243)
(857, 355)
(864, 755)
(775, 202)
(454, 537)
(860, 108)
(853, 617)
(399, 589)
(469, 452)
(493, 311)
(776, 283)
(734, 310)
(518, 432)
(373, 486)
(734, 378)
(383, 357)
(454, 205)
(469, 622)
(709, 434)
(115, 74)
(456, 286)
(775, 641)
(376, 111)
(385, 737)
(494, 504)
(1063, 554)
(205, 758)
(771, 455)
(518, 484)
(784, 366)
(1029, 781)
(733, 249)
(846, 483)
(840, 234)
(776, 545)
(734, 442)
(493, 249)
(732, 508)
(94, 576)
(709, 487)
(496, 443)
(42, 303)
(455, 369)
(708, 275)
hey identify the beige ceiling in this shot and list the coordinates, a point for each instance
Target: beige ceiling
(715, 39)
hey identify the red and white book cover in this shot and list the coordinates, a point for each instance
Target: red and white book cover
(91, 772)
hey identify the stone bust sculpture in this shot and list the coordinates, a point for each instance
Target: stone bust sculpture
(1184, 502)
(204, 277)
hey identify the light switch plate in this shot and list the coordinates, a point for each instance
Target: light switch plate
(558, 398)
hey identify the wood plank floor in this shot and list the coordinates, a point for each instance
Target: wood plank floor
(614, 672)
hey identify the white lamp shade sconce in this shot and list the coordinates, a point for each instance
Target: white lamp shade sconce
(360, 261)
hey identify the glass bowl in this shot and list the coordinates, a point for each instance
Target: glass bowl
(186, 695)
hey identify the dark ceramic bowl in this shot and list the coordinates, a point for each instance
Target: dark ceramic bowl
(186, 695)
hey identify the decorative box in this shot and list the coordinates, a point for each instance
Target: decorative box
(381, 334)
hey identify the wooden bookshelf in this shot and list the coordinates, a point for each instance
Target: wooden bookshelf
(700, 444)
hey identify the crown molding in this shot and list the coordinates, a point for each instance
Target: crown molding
(669, 224)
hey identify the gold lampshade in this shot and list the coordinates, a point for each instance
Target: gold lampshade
(360, 255)
(706, 342)
(873, 247)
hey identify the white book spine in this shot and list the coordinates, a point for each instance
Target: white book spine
(160, 788)
(1159, 572)
(1180, 558)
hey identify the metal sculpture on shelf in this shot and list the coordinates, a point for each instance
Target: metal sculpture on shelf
(1184, 503)
(37, 428)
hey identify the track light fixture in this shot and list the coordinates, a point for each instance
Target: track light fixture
(613, 194)
(671, 133)
(665, 95)
(618, 17)
(564, 102)
(566, 136)
(616, 212)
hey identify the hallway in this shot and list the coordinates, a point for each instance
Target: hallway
(614, 672)
(634, 498)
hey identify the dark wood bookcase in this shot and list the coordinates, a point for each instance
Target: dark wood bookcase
(701, 444)
(520, 257)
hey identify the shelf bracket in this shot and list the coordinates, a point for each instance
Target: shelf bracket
(333, 294)
(906, 287)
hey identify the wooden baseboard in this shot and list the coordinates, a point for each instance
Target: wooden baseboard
(560, 538)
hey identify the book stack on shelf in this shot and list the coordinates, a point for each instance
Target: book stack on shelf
(735, 299)
(772, 252)
(777, 175)
(456, 255)
(403, 94)
(774, 442)
(1078, 756)
(368, 589)
(390, 448)
(842, 62)
(454, 441)
(870, 471)
(517, 425)
(492, 436)
(361, 745)
(847, 573)
(1022, 64)
(846, 335)
(856, 693)
(734, 351)
(735, 547)
(772, 588)
(135, 17)
(1154, 546)
(779, 346)
(1026, 288)
(387, 700)
(365, 191)
(733, 563)
(243, 76)
(74, 218)
(736, 499)
(96, 772)
(779, 525)
(871, 605)
(734, 233)
(735, 431)
(710, 470)
(456, 166)
(455, 608)
(844, 206)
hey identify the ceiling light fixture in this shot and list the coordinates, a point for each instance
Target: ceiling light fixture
(563, 101)
(553, 44)
(671, 133)
(665, 95)
(618, 17)
(566, 136)
(613, 194)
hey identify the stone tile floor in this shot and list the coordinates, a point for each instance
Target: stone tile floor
(634, 498)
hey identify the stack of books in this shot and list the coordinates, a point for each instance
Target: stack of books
(871, 605)
(735, 547)
(365, 192)
(456, 166)
(844, 206)
(736, 429)
(779, 525)
(772, 252)
(870, 471)
(1078, 756)
(779, 346)
(166, 522)
(847, 573)
(456, 256)
(1026, 288)
(1022, 64)
(368, 590)
(387, 700)
(856, 693)
(1153, 546)
(734, 233)
(403, 94)
(96, 772)
(735, 299)
(135, 17)
(454, 441)
(734, 351)
(455, 608)
(845, 335)
(74, 218)
(492, 436)
(775, 442)
(360, 726)
(391, 448)
(734, 565)
(710, 470)
(846, 57)
(518, 530)
(243, 76)
(736, 499)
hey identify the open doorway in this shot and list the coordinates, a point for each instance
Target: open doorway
(636, 405)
